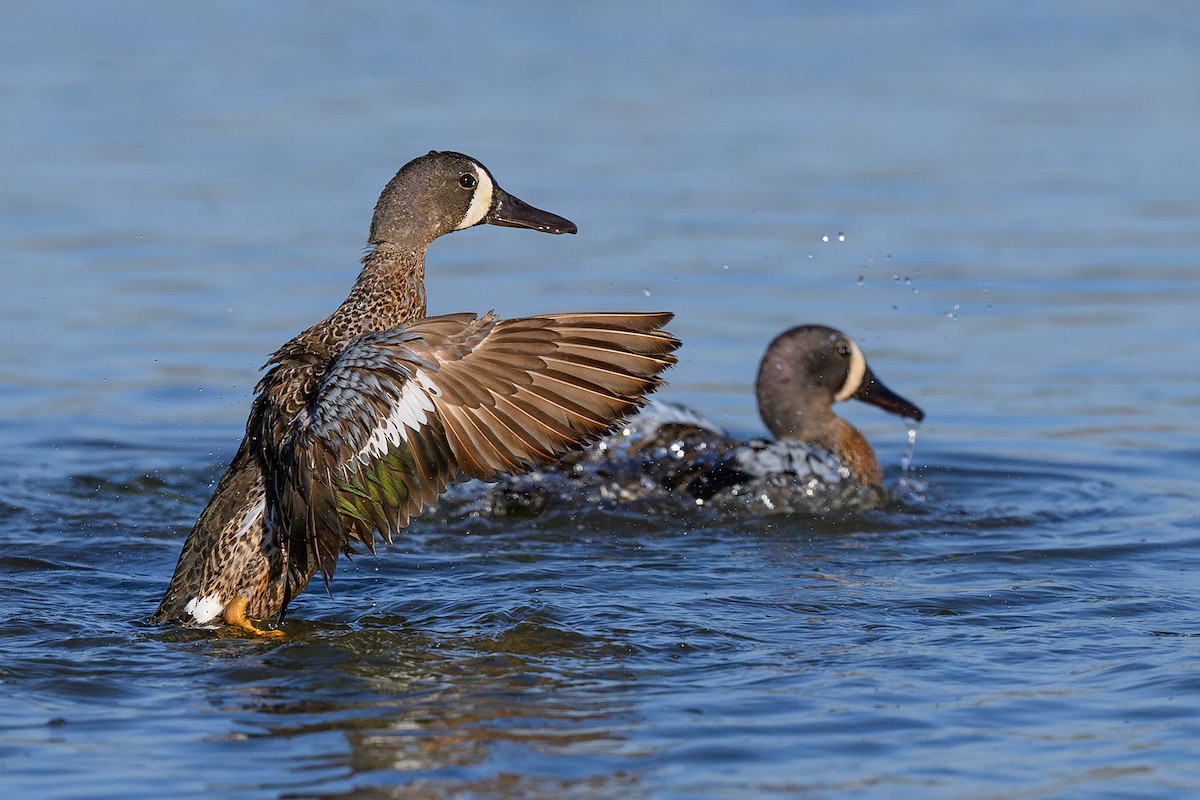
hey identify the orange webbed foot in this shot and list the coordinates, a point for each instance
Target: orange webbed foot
(235, 616)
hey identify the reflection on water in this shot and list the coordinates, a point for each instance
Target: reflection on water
(182, 192)
(448, 714)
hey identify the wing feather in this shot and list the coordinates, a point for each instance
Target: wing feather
(397, 415)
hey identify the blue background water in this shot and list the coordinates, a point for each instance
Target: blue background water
(183, 189)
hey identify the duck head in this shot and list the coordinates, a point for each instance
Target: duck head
(805, 371)
(444, 191)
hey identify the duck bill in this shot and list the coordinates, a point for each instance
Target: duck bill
(872, 391)
(513, 212)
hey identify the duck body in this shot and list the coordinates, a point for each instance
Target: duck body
(816, 462)
(363, 419)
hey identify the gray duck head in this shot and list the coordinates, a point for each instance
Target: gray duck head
(442, 192)
(806, 370)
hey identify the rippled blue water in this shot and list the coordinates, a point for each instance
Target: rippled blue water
(181, 190)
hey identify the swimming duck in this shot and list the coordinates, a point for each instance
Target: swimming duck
(363, 419)
(816, 461)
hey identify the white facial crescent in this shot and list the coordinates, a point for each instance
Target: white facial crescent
(858, 368)
(481, 200)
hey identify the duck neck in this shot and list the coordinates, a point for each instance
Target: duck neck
(849, 445)
(822, 427)
(390, 291)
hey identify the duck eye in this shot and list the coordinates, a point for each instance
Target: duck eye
(468, 181)
(844, 351)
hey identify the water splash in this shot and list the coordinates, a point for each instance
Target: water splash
(906, 459)
(908, 485)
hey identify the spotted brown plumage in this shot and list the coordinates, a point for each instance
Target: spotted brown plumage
(364, 418)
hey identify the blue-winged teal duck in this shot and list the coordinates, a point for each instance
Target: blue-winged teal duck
(817, 461)
(363, 419)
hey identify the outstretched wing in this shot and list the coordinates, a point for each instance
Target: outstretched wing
(400, 414)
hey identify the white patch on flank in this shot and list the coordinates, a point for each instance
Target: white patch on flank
(204, 609)
(858, 368)
(410, 411)
(481, 200)
(253, 515)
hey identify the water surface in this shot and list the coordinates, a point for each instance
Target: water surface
(998, 203)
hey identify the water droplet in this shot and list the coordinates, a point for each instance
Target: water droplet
(906, 459)
(646, 292)
(905, 485)
(825, 238)
(841, 236)
(860, 280)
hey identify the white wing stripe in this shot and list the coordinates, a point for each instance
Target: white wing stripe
(410, 411)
